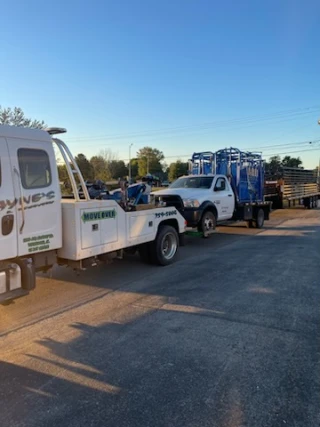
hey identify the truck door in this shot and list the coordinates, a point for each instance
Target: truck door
(224, 198)
(8, 215)
(36, 186)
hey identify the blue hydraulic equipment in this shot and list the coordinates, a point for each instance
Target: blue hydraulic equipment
(201, 163)
(245, 171)
(135, 194)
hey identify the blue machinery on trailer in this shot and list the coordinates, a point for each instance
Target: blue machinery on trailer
(245, 171)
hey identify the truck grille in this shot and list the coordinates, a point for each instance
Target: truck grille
(170, 200)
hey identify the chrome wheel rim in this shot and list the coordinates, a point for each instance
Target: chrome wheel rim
(169, 246)
(208, 223)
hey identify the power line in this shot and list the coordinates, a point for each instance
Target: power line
(290, 144)
(293, 152)
(161, 138)
(178, 129)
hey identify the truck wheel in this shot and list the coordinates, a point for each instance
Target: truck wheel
(165, 247)
(208, 223)
(260, 218)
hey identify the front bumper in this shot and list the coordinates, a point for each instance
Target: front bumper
(192, 216)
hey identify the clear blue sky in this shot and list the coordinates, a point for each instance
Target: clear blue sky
(113, 71)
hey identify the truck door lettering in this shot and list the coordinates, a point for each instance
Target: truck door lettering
(11, 203)
(30, 201)
(26, 200)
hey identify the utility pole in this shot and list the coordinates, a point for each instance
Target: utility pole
(147, 164)
(130, 162)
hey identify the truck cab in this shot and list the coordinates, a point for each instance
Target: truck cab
(30, 213)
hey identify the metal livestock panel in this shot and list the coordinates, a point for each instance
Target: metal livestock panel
(245, 171)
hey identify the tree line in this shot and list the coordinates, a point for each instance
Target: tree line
(275, 163)
(105, 165)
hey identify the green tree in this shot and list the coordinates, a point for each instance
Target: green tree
(149, 161)
(65, 185)
(100, 168)
(273, 165)
(117, 169)
(16, 117)
(84, 166)
(291, 162)
(177, 169)
(63, 173)
(134, 168)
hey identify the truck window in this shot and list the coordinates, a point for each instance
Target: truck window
(193, 182)
(34, 168)
(220, 184)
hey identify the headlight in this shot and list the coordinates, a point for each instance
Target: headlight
(191, 203)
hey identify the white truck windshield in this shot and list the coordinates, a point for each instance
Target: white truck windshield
(193, 182)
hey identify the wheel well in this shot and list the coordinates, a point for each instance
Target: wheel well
(173, 222)
(212, 209)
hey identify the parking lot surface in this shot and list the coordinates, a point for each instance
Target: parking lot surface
(228, 336)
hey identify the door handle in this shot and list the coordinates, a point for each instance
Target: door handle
(229, 195)
(21, 199)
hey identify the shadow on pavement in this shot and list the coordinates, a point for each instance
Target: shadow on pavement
(165, 368)
(227, 338)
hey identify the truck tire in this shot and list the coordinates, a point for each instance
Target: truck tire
(208, 223)
(164, 249)
(259, 218)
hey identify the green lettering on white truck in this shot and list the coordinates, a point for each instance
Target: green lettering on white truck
(99, 215)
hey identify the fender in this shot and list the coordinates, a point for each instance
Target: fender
(207, 204)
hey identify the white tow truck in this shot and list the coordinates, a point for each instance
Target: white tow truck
(39, 228)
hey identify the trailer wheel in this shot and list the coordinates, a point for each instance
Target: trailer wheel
(165, 247)
(208, 223)
(260, 218)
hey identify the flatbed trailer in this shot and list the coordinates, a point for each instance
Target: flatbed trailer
(289, 187)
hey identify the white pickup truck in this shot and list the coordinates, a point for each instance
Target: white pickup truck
(38, 227)
(205, 200)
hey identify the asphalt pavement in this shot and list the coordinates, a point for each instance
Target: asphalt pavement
(228, 336)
